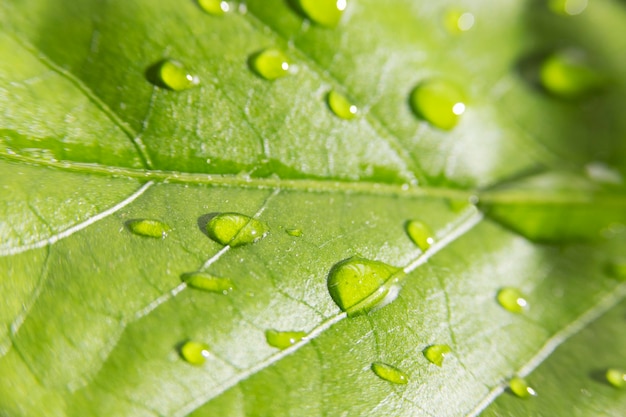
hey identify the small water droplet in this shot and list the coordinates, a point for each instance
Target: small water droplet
(235, 229)
(390, 373)
(196, 353)
(270, 64)
(323, 12)
(282, 340)
(520, 387)
(172, 75)
(438, 102)
(207, 282)
(214, 7)
(420, 234)
(457, 21)
(617, 269)
(568, 74)
(512, 300)
(436, 353)
(358, 285)
(341, 106)
(567, 7)
(294, 232)
(148, 228)
(616, 377)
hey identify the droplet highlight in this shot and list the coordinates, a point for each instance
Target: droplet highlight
(520, 388)
(358, 285)
(341, 106)
(235, 229)
(457, 21)
(282, 340)
(420, 234)
(214, 7)
(436, 353)
(207, 282)
(512, 299)
(294, 232)
(148, 228)
(323, 12)
(568, 7)
(172, 75)
(195, 353)
(270, 64)
(438, 102)
(616, 377)
(390, 373)
(568, 74)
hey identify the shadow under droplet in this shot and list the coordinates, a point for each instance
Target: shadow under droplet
(152, 74)
(599, 375)
(204, 220)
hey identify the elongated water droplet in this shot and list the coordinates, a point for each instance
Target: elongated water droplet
(420, 234)
(148, 228)
(207, 282)
(172, 75)
(520, 387)
(214, 7)
(236, 229)
(438, 102)
(294, 232)
(323, 12)
(341, 106)
(512, 300)
(436, 353)
(358, 285)
(390, 373)
(196, 353)
(270, 64)
(282, 340)
(616, 377)
(567, 7)
(568, 75)
(457, 21)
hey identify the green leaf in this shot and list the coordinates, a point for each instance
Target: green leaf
(110, 177)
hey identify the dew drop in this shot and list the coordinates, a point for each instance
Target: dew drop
(282, 340)
(172, 75)
(270, 64)
(568, 74)
(323, 12)
(358, 285)
(568, 7)
(438, 102)
(617, 269)
(616, 377)
(214, 7)
(207, 282)
(520, 387)
(457, 21)
(196, 353)
(512, 300)
(436, 353)
(148, 228)
(390, 373)
(236, 229)
(420, 234)
(341, 106)
(294, 232)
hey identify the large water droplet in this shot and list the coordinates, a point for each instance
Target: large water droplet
(457, 21)
(323, 12)
(436, 353)
(420, 234)
(172, 75)
(214, 7)
(236, 229)
(359, 285)
(282, 340)
(438, 102)
(568, 74)
(568, 7)
(196, 353)
(148, 228)
(207, 282)
(512, 300)
(341, 106)
(616, 377)
(390, 373)
(520, 387)
(270, 64)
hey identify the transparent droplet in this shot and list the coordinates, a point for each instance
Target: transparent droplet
(568, 7)
(282, 340)
(294, 232)
(270, 64)
(235, 229)
(196, 353)
(323, 12)
(616, 377)
(520, 387)
(341, 106)
(438, 102)
(512, 300)
(436, 353)
(420, 234)
(148, 228)
(358, 285)
(457, 21)
(568, 74)
(207, 282)
(172, 75)
(214, 7)
(390, 373)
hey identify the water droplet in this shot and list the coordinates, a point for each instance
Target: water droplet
(617, 269)
(568, 7)
(438, 102)
(568, 75)
(341, 106)
(172, 75)
(390, 373)
(214, 7)
(236, 229)
(270, 64)
(148, 228)
(457, 21)
(294, 232)
(359, 285)
(436, 353)
(282, 340)
(520, 387)
(420, 234)
(196, 353)
(616, 377)
(323, 12)
(512, 300)
(207, 282)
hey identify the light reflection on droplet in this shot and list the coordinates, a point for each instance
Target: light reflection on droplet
(458, 109)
